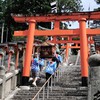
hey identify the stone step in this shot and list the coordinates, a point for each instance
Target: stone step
(55, 98)
(72, 70)
(68, 87)
(78, 88)
(71, 74)
(55, 92)
(68, 98)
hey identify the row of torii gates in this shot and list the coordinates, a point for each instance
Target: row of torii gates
(81, 32)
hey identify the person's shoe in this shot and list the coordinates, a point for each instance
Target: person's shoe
(38, 78)
(30, 79)
(34, 84)
(50, 88)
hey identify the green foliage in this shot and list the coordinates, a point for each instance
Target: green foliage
(96, 23)
(1, 11)
(97, 1)
(18, 39)
(41, 38)
(32, 7)
(76, 38)
(69, 5)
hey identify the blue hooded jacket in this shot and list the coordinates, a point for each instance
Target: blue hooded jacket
(51, 68)
(41, 63)
(35, 64)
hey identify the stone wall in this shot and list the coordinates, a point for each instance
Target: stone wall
(94, 77)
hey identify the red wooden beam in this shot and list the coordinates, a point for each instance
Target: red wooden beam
(64, 41)
(62, 17)
(68, 41)
(56, 32)
(74, 32)
(92, 32)
(71, 47)
(48, 32)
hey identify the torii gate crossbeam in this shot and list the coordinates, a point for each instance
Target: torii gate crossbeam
(57, 32)
(60, 17)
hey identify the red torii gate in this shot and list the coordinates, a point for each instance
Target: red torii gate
(69, 40)
(81, 17)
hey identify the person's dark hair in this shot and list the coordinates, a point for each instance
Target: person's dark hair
(57, 52)
(35, 55)
(53, 58)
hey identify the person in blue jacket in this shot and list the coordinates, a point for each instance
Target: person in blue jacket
(58, 58)
(41, 63)
(35, 69)
(50, 69)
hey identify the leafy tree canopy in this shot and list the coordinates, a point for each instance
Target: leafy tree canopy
(96, 23)
(32, 7)
(97, 1)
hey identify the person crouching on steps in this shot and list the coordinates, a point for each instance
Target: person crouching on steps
(50, 69)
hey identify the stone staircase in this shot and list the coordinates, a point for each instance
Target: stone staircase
(70, 83)
(68, 87)
(25, 94)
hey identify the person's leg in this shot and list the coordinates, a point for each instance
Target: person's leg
(34, 82)
(50, 80)
(33, 74)
(57, 64)
(36, 78)
(47, 77)
(40, 68)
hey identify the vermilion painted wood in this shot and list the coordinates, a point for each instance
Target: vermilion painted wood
(82, 32)
(29, 46)
(83, 48)
(59, 17)
(74, 32)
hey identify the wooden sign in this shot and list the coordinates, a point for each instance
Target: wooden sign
(46, 52)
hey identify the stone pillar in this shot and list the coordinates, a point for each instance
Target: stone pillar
(3, 48)
(94, 77)
(17, 58)
(21, 49)
(2, 85)
(11, 52)
(13, 80)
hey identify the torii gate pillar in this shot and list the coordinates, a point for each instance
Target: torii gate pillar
(28, 53)
(67, 51)
(83, 51)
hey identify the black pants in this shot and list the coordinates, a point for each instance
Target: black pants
(47, 77)
(57, 63)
